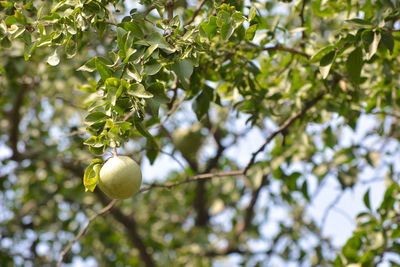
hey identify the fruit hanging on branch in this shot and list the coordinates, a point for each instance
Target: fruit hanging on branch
(120, 177)
(188, 141)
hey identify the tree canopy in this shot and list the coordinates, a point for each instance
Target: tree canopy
(186, 88)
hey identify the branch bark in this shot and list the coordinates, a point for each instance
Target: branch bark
(15, 118)
(284, 127)
(82, 232)
(302, 21)
(287, 49)
(249, 212)
(200, 202)
(196, 178)
(195, 13)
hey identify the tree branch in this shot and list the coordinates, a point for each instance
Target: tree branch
(301, 14)
(284, 127)
(200, 201)
(147, 12)
(169, 6)
(329, 208)
(196, 178)
(195, 13)
(82, 232)
(287, 49)
(248, 216)
(15, 118)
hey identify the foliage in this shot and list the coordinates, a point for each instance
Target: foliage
(82, 77)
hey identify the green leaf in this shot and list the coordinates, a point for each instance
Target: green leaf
(210, 27)
(112, 82)
(157, 38)
(60, 4)
(124, 126)
(89, 66)
(152, 69)
(354, 65)
(91, 176)
(326, 63)
(227, 30)
(138, 90)
(133, 73)
(150, 51)
(20, 17)
(10, 20)
(388, 41)
(53, 59)
(104, 71)
(184, 70)
(71, 48)
(90, 141)
(142, 130)
(250, 32)
(97, 150)
(99, 161)
(304, 190)
(320, 53)
(158, 90)
(371, 41)
(6, 43)
(201, 104)
(6, 4)
(367, 199)
(175, 22)
(95, 117)
(152, 154)
(28, 50)
(252, 13)
(360, 22)
(132, 27)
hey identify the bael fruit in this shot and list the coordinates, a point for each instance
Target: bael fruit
(188, 141)
(120, 177)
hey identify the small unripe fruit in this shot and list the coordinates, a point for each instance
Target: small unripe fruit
(188, 141)
(120, 177)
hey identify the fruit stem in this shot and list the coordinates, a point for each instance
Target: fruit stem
(115, 151)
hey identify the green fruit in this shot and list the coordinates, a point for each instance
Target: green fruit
(188, 141)
(120, 177)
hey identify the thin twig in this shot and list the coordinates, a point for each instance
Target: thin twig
(147, 12)
(196, 12)
(301, 14)
(287, 49)
(127, 117)
(82, 232)
(344, 214)
(249, 212)
(193, 179)
(74, 133)
(386, 113)
(176, 160)
(329, 208)
(284, 127)
(169, 6)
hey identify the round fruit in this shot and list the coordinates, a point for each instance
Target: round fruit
(188, 141)
(120, 177)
